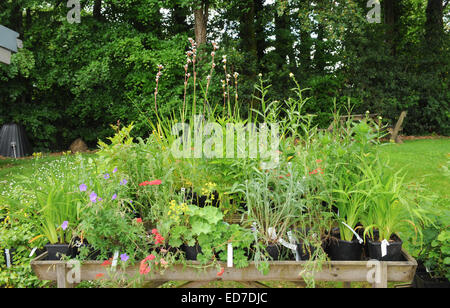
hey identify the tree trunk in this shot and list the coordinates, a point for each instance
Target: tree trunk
(16, 19)
(201, 20)
(179, 17)
(248, 43)
(247, 28)
(434, 25)
(319, 56)
(259, 29)
(305, 52)
(283, 39)
(392, 12)
(97, 9)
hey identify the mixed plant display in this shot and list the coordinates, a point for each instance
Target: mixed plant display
(138, 202)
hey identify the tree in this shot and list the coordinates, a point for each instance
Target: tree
(201, 15)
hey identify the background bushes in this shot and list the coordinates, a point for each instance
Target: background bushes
(73, 80)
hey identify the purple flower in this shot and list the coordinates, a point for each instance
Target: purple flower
(114, 197)
(115, 170)
(123, 182)
(64, 225)
(124, 257)
(83, 187)
(106, 176)
(93, 197)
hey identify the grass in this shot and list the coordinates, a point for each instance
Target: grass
(425, 161)
(11, 168)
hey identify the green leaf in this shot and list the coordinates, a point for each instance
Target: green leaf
(199, 226)
(447, 261)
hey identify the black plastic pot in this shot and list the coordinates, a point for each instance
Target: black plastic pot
(77, 244)
(305, 252)
(200, 200)
(56, 251)
(191, 251)
(340, 250)
(168, 248)
(274, 251)
(425, 281)
(38, 252)
(393, 250)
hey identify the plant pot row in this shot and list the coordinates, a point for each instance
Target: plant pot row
(424, 280)
(336, 249)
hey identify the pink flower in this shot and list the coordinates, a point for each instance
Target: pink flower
(151, 183)
(144, 268)
(149, 258)
(139, 220)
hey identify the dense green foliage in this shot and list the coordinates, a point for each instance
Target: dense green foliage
(73, 80)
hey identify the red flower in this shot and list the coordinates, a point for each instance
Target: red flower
(107, 262)
(222, 270)
(317, 171)
(100, 275)
(144, 268)
(139, 220)
(149, 258)
(154, 182)
(155, 231)
(318, 161)
(159, 239)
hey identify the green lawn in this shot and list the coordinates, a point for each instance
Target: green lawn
(424, 161)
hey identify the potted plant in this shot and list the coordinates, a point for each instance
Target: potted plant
(58, 217)
(110, 228)
(433, 270)
(190, 226)
(388, 210)
(272, 203)
(345, 194)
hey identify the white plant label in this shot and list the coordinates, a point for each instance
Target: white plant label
(360, 240)
(8, 258)
(272, 233)
(292, 240)
(287, 245)
(33, 251)
(384, 245)
(115, 259)
(230, 255)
